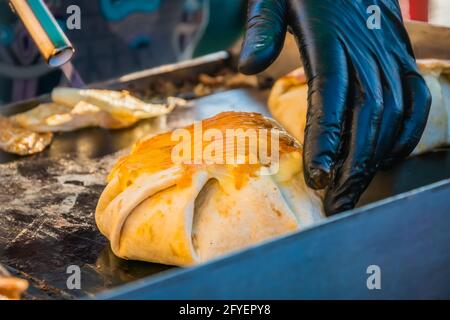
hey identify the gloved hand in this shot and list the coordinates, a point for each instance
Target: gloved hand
(367, 103)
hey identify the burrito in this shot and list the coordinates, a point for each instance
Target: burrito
(233, 181)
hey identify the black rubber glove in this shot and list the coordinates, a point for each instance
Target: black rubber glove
(367, 103)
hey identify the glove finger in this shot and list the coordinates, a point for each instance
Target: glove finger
(264, 39)
(327, 99)
(325, 61)
(417, 101)
(392, 115)
(353, 175)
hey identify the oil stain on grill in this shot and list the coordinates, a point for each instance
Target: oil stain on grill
(37, 168)
(47, 222)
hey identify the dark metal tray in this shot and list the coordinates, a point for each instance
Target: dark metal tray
(47, 201)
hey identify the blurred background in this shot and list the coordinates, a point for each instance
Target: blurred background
(122, 36)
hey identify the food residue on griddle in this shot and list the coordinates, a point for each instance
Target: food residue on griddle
(199, 86)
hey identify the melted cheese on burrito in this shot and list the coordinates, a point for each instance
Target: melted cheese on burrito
(153, 155)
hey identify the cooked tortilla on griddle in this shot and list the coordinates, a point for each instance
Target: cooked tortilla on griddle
(21, 141)
(74, 109)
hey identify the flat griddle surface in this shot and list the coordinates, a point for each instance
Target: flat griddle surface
(47, 205)
(47, 201)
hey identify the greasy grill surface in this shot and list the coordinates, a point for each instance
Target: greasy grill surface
(47, 224)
